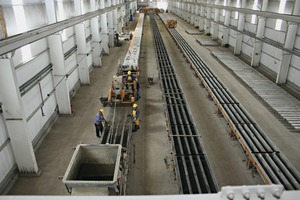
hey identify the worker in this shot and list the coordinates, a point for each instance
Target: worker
(99, 123)
(138, 89)
(129, 79)
(135, 115)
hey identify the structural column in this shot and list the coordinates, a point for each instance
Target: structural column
(284, 67)
(256, 53)
(82, 50)
(110, 25)
(196, 18)
(96, 40)
(201, 18)
(225, 40)
(215, 33)
(59, 73)
(192, 10)
(15, 120)
(58, 61)
(239, 36)
(104, 31)
(207, 20)
(115, 16)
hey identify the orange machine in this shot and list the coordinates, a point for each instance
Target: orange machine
(122, 91)
(171, 23)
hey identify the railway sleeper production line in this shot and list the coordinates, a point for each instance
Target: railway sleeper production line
(262, 153)
(193, 170)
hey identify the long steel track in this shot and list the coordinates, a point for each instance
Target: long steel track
(193, 169)
(262, 153)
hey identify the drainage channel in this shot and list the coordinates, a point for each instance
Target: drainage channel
(193, 170)
(262, 153)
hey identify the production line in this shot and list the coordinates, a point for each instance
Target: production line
(192, 166)
(262, 153)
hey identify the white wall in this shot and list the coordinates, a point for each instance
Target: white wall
(40, 100)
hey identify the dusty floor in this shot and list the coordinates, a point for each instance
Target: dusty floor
(151, 162)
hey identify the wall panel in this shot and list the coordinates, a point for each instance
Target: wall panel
(70, 63)
(277, 36)
(73, 79)
(69, 44)
(293, 76)
(30, 69)
(7, 161)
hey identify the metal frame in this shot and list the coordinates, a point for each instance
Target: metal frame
(14, 42)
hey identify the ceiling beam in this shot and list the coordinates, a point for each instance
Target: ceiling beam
(14, 42)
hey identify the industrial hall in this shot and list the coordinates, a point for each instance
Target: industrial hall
(149, 99)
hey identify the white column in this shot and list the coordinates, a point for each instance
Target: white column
(215, 33)
(59, 73)
(110, 26)
(207, 20)
(239, 36)
(192, 14)
(201, 19)
(256, 53)
(50, 10)
(115, 17)
(104, 31)
(196, 18)
(15, 120)
(96, 40)
(289, 44)
(83, 68)
(225, 40)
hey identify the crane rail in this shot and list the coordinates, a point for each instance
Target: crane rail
(193, 169)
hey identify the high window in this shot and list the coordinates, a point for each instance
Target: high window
(280, 10)
(22, 26)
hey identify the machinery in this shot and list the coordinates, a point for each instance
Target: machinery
(171, 23)
(124, 90)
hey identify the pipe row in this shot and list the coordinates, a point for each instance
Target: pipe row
(193, 169)
(263, 153)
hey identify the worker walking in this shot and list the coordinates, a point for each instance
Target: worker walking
(135, 115)
(99, 123)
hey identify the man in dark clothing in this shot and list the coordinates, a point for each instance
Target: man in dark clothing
(99, 123)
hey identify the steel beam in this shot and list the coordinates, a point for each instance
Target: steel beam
(14, 42)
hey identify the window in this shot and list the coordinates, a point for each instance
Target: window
(22, 27)
(280, 10)
(61, 16)
(225, 3)
(238, 5)
(254, 7)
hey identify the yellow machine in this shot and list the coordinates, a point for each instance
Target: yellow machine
(171, 23)
(122, 91)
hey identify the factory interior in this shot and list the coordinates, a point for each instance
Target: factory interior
(140, 99)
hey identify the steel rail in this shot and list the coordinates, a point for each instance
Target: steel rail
(271, 164)
(193, 169)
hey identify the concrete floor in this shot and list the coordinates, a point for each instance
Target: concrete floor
(151, 162)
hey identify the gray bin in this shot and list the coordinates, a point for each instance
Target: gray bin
(93, 170)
